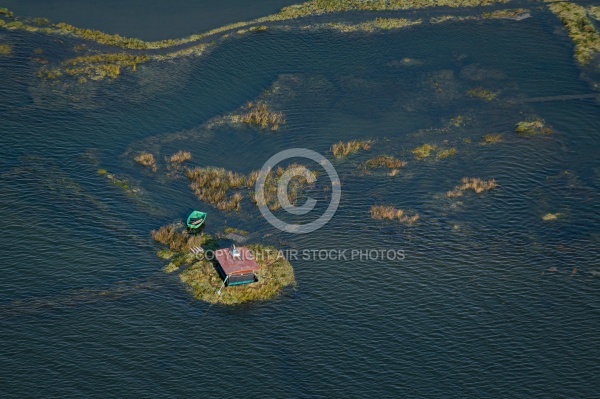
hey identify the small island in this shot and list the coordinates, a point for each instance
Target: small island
(199, 260)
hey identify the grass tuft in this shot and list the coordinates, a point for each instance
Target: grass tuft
(180, 157)
(343, 149)
(259, 114)
(385, 212)
(5, 49)
(474, 184)
(385, 161)
(491, 139)
(484, 94)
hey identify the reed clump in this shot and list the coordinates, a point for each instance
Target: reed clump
(481, 93)
(491, 139)
(385, 161)
(386, 212)
(535, 127)
(343, 149)
(579, 28)
(180, 157)
(472, 183)
(212, 184)
(259, 114)
(5, 49)
(146, 159)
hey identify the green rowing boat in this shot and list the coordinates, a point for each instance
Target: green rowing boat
(196, 220)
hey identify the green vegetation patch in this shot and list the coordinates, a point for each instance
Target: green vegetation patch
(5, 49)
(491, 139)
(484, 94)
(376, 24)
(535, 127)
(580, 29)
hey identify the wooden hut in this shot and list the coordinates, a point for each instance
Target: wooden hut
(236, 266)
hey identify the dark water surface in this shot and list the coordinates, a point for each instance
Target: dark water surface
(473, 310)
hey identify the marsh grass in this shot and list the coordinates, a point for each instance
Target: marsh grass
(385, 212)
(259, 114)
(146, 159)
(534, 127)
(483, 94)
(5, 49)
(491, 139)
(385, 161)
(470, 183)
(374, 25)
(94, 67)
(580, 29)
(424, 151)
(214, 185)
(443, 154)
(180, 157)
(343, 149)
(319, 7)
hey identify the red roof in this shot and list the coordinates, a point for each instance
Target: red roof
(242, 264)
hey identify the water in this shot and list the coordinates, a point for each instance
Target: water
(473, 310)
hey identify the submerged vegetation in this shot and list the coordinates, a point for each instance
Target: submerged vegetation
(201, 278)
(120, 182)
(343, 149)
(5, 49)
(146, 159)
(484, 94)
(550, 217)
(580, 29)
(535, 127)
(474, 184)
(383, 212)
(259, 114)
